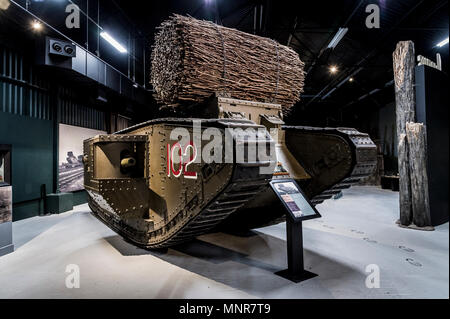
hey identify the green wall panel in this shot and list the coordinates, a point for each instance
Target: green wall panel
(79, 198)
(30, 104)
(32, 160)
(26, 209)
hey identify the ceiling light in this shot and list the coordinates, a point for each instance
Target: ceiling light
(4, 4)
(337, 38)
(442, 43)
(350, 80)
(333, 69)
(113, 42)
(36, 25)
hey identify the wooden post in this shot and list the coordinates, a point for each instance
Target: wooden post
(416, 135)
(404, 182)
(404, 63)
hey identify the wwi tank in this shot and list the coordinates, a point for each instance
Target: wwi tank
(168, 180)
(149, 183)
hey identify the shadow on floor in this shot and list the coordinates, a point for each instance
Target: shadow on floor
(247, 263)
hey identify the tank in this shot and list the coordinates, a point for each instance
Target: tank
(168, 180)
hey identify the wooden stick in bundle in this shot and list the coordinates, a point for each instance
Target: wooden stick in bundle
(193, 59)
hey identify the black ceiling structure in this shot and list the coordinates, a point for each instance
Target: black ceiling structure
(329, 99)
(364, 54)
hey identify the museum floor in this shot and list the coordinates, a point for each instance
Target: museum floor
(356, 230)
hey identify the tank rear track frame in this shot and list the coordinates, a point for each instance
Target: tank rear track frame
(265, 210)
(363, 158)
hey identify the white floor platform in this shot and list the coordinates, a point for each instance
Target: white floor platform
(357, 230)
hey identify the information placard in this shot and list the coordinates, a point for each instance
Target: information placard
(296, 203)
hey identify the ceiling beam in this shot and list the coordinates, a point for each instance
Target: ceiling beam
(324, 48)
(292, 31)
(375, 51)
(369, 94)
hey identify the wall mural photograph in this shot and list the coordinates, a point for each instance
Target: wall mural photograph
(2, 169)
(70, 165)
(5, 204)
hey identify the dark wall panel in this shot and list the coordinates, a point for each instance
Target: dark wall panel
(31, 106)
(22, 91)
(432, 110)
(32, 159)
(73, 112)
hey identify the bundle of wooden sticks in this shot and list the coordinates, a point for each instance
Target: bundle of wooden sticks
(193, 59)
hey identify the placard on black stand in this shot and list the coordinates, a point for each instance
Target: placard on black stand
(298, 209)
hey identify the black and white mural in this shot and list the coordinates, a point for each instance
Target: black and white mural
(71, 176)
(2, 169)
(5, 204)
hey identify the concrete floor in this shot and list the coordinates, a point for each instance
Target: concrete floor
(356, 230)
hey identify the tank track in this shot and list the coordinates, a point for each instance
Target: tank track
(235, 196)
(364, 158)
(245, 183)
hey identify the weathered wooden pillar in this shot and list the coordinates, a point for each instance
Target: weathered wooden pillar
(404, 64)
(404, 182)
(417, 141)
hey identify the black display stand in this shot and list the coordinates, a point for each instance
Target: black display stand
(432, 110)
(298, 208)
(296, 270)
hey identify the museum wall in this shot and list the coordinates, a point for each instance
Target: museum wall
(388, 136)
(32, 160)
(32, 105)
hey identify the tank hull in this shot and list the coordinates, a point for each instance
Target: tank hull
(136, 189)
(156, 205)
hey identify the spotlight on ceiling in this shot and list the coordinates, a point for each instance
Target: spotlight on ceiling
(113, 42)
(333, 69)
(4, 4)
(337, 38)
(442, 43)
(36, 25)
(351, 80)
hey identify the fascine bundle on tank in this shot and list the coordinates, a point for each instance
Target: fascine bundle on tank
(193, 59)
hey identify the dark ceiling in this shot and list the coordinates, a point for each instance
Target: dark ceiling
(308, 27)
